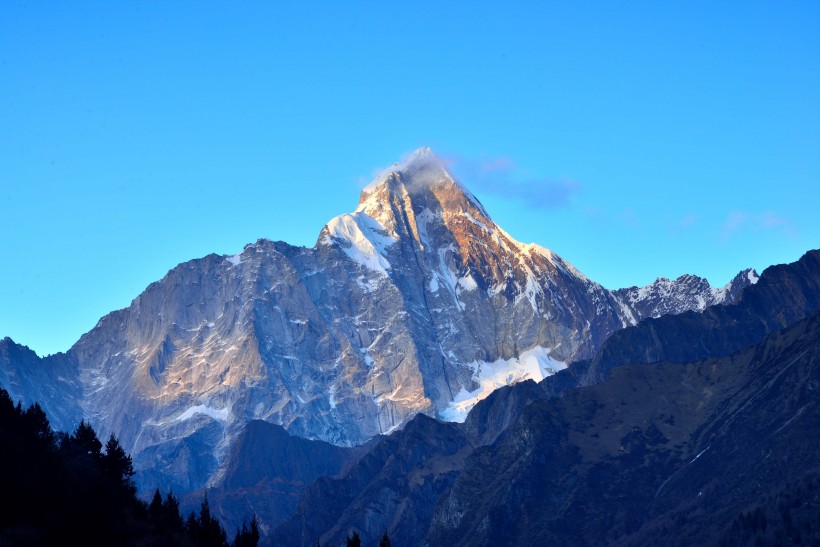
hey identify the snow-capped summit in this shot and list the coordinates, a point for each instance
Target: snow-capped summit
(418, 182)
(416, 302)
(422, 161)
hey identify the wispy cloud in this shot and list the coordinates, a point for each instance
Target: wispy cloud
(502, 177)
(629, 218)
(743, 221)
(684, 223)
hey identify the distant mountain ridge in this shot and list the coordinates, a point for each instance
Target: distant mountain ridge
(686, 293)
(417, 302)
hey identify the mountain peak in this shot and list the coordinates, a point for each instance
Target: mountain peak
(423, 153)
(421, 167)
(420, 180)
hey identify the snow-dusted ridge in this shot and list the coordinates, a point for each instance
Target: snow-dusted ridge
(215, 413)
(363, 238)
(687, 292)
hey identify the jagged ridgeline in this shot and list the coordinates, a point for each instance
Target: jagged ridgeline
(415, 303)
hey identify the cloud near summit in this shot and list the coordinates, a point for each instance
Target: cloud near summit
(502, 177)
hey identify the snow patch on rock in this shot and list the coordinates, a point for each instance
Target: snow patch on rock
(467, 283)
(533, 364)
(220, 414)
(363, 239)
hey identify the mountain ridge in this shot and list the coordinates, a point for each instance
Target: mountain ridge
(417, 302)
(502, 460)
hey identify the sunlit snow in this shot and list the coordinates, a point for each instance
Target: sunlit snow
(363, 239)
(215, 413)
(534, 364)
(467, 283)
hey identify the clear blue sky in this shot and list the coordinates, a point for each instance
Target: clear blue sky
(635, 139)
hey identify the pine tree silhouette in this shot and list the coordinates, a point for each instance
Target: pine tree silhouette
(247, 536)
(172, 519)
(118, 467)
(207, 531)
(155, 507)
(61, 489)
(86, 439)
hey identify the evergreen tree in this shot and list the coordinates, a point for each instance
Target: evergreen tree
(155, 512)
(172, 519)
(7, 409)
(385, 542)
(247, 536)
(117, 465)
(192, 528)
(206, 530)
(36, 422)
(355, 540)
(86, 439)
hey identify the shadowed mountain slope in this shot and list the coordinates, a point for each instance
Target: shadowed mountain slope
(524, 458)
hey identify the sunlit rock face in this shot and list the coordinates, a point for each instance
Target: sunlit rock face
(417, 302)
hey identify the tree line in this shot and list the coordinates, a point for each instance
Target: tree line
(58, 488)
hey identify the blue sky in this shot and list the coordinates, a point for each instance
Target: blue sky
(635, 139)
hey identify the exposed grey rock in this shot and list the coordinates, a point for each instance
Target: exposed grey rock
(417, 302)
(553, 464)
(686, 293)
(52, 382)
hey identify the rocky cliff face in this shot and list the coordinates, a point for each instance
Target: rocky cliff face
(52, 382)
(417, 302)
(615, 459)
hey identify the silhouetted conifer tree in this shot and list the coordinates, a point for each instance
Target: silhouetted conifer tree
(172, 519)
(355, 540)
(86, 439)
(206, 530)
(192, 528)
(155, 512)
(247, 536)
(385, 541)
(117, 466)
(36, 422)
